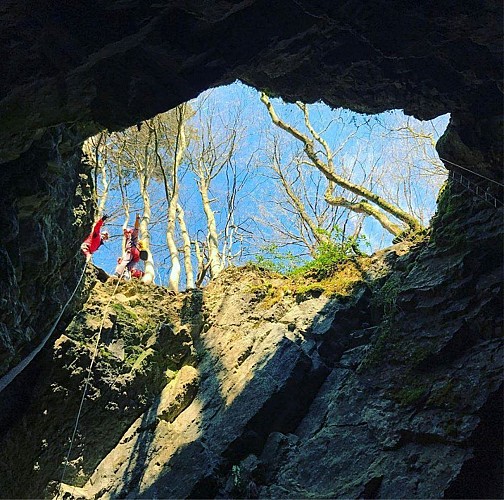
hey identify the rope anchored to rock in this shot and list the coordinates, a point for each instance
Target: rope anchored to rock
(86, 385)
(12, 374)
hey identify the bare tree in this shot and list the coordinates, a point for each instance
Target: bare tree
(95, 148)
(172, 191)
(133, 150)
(320, 155)
(212, 151)
(186, 247)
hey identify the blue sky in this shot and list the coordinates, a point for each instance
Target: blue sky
(376, 141)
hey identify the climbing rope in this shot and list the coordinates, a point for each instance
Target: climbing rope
(86, 385)
(12, 374)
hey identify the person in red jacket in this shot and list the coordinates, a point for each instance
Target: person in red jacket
(95, 239)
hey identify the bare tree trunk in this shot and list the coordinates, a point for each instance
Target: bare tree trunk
(149, 273)
(95, 148)
(180, 147)
(202, 266)
(311, 225)
(214, 257)
(364, 207)
(126, 207)
(174, 279)
(186, 248)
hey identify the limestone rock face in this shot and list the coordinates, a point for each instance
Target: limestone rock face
(389, 388)
(44, 207)
(383, 381)
(138, 343)
(74, 69)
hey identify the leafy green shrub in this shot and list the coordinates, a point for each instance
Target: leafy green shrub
(273, 259)
(330, 254)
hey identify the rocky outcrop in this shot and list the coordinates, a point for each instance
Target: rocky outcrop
(399, 414)
(116, 64)
(390, 388)
(45, 204)
(138, 342)
(382, 381)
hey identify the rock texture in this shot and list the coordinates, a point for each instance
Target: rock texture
(383, 381)
(391, 388)
(117, 63)
(141, 343)
(45, 203)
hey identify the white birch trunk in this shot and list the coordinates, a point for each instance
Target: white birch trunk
(213, 238)
(149, 275)
(187, 247)
(174, 279)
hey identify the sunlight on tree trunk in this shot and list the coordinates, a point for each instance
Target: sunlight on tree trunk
(214, 256)
(186, 247)
(180, 147)
(202, 265)
(126, 208)
(149, 273)
(213, 153)
(144, 173)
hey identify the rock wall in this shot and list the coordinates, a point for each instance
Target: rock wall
(45, 205)
(73, 70)
(116, 64)
(393, 391)
(383, 381)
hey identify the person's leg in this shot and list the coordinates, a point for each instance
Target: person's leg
(121, 266)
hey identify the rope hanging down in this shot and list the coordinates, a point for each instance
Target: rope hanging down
(86, 385)
(12, 374)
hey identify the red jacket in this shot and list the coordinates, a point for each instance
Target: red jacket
(93, 241)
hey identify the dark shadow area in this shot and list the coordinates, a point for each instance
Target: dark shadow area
(482, 476)
(16, 398)
(39, 408)
(134, 471)
(231, 434)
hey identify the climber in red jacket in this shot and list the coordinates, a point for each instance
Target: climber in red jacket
(95, 239)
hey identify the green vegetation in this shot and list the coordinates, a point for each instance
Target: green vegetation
(121, 310)
(269, 293)
(334, 250)
(333, 274)
(273, 259)
(410, 394)
(328, 256)
(345, 277)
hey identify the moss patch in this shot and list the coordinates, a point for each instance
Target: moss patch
(410, 395)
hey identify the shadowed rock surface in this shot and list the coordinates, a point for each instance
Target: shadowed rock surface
(393, 391)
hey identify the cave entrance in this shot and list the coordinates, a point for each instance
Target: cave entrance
(249, 188)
